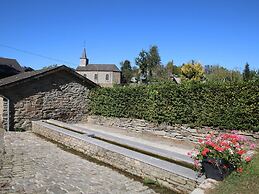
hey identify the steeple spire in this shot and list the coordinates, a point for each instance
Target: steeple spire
(83, 54)
(83, 59)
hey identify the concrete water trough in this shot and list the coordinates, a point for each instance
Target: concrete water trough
(167, 168)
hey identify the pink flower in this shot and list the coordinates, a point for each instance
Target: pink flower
(252, 146)
(205, 151)
(220, 149)
(239, 170)
(248, 159)
(241, 152)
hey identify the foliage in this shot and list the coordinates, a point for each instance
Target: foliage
(142, 62)
(232, 148)
(247, 74)
(216, 73)
(148, 181)
(223, 105)
(149, 62)
(154, 59)
(50, 66)
(193, 71)
(173, 69)
(126, 71)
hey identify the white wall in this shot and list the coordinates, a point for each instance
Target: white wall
(101, 77)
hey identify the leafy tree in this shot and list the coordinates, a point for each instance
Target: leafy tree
(142, 61)
(50, 66)
(126, 71)
(160, 73)
(216, 73)
(193, 71)
(135, 71)
(154, 60)
(246, 73)
(255, 74)
(173, 69)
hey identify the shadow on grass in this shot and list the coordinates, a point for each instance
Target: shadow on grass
(246, 182)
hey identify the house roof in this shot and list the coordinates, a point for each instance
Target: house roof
(12, 63)
(26, 76)
(98, 67)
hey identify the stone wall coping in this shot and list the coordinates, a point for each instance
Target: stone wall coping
(167, 166)
(171, 155)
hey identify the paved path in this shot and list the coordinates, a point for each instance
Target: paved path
(34, 165)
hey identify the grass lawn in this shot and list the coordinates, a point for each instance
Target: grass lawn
(245, 183)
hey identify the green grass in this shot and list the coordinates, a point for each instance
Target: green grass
(245, 183)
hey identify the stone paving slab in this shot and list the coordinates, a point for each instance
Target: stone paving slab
(34, 165)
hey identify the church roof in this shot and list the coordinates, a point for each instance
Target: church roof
(98, 67)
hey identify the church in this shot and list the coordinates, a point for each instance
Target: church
(105, 75)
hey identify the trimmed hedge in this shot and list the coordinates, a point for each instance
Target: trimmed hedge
(229, 106)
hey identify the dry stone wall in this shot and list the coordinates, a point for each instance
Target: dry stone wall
(67, 103)
(59, 97)
(177, 132)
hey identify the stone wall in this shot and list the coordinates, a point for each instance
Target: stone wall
(176, 132)
(1, 146)
(60, 96)
(124, 160)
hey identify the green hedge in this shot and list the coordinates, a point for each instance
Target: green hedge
(230, 106)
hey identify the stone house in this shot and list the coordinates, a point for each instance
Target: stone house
(58, 93)
(9, 67)
(106, 75)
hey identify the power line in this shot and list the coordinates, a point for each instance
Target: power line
(36, 54)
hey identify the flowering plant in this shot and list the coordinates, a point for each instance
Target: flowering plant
(230, 147)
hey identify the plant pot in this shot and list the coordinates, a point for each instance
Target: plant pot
(216, 169)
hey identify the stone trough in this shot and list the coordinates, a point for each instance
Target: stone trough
(171, 175)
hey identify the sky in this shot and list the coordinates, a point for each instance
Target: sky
(213, 32)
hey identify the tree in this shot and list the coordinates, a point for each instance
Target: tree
(154, 60)
(126, 71)
(193, 71)
(173, 69)
(50, 66)
(246, 73)
(255, 75)
(142, 61)
(216, 73)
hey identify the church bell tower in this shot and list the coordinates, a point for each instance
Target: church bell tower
(83, 59)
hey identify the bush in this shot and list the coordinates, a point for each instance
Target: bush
(223, 105)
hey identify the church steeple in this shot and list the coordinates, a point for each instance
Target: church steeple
(83, 59)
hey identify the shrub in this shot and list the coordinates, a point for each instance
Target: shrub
(223, 105)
